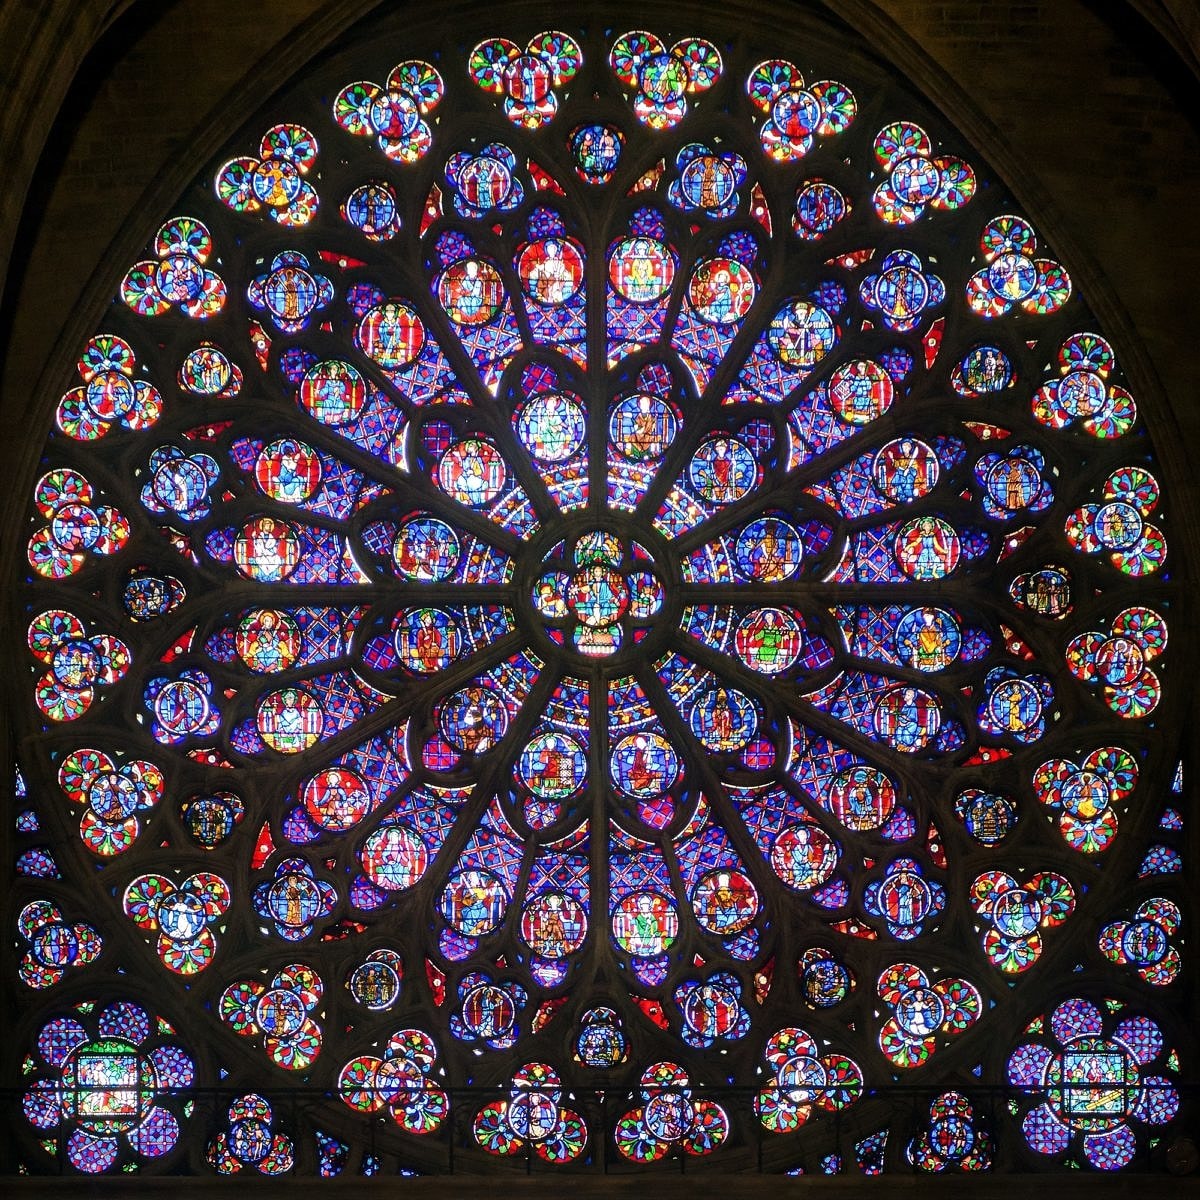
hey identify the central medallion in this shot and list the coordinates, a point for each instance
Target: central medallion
(598, 596)
(597, 593)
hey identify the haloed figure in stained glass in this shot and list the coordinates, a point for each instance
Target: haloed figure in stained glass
(561, 577)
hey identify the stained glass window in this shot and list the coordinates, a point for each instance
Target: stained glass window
(597, 599)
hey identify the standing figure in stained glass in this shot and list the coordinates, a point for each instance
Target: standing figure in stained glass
(549, 933)
(933, 549)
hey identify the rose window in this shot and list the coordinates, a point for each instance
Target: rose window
(597, 567)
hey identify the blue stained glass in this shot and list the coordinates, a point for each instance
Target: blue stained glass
(649, 548)
(904, 899)
(1160, 860)
(869, 1152)
(332, 1155)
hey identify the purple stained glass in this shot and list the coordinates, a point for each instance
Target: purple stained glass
(661, 520)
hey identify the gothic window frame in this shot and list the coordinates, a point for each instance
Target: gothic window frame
(481, 105)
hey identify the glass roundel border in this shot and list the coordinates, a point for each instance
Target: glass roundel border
(596, 565)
